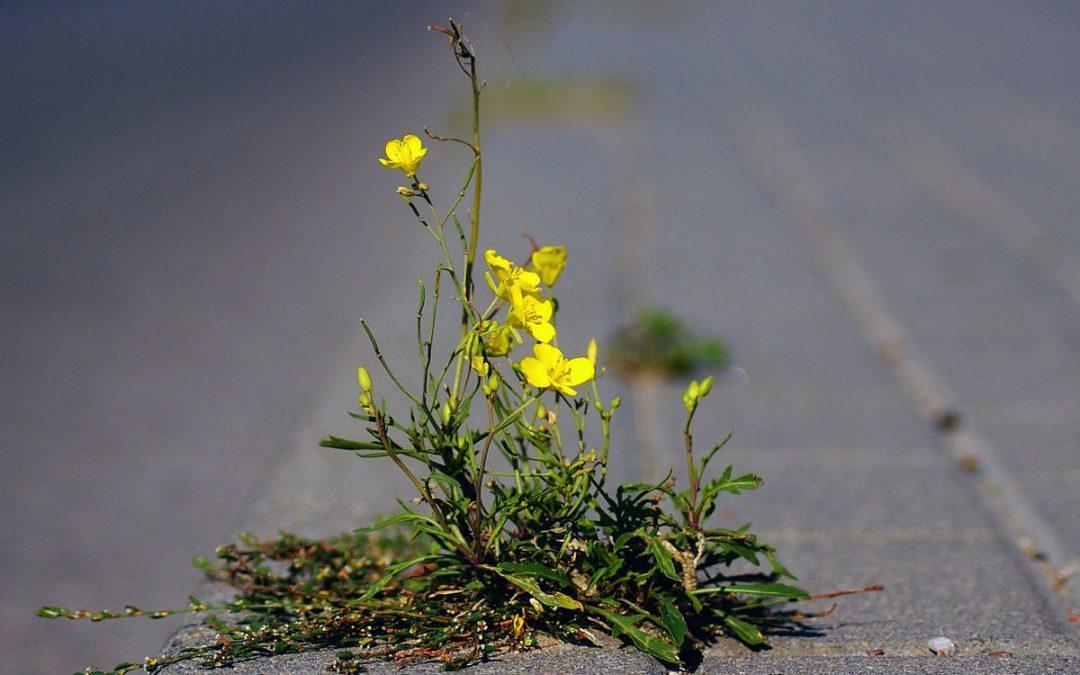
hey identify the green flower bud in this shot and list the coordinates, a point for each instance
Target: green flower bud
(706, 386)
(691, 395)
(365, 379)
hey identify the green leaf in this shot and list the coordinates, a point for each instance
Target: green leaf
(391, 572)
(650, 644)
(537, 570)
(716, 448)
(51, 612)
(735, 486)
(407, 517)
(746, 632)
(663, 559)
(766, 588)
(740, 549)
(778, 567)
(557, 599)
(673, 620)
(346, 444)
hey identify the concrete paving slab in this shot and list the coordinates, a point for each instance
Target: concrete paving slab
(928, 665)
(936, 583)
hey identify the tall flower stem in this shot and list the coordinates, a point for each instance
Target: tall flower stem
(466, 60)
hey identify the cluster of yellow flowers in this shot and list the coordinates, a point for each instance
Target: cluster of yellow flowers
(530, 311)
(520, 288)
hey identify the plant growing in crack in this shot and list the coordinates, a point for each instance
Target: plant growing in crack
(488, 559)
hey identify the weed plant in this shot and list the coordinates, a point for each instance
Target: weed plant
(484, 561)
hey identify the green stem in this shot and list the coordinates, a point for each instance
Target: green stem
(695, 479)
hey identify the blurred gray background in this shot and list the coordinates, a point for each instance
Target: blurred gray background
(192, 218)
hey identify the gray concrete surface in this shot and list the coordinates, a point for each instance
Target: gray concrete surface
(205, 344)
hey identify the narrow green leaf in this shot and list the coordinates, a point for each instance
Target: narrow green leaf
(650, 644)
(346, 444)
(537, 570)
(746, 632)
(766, 588)
(391, 572)
(560, 600)
(407, 517)
(673, 620)
(663, 559)
(778, 567)
(51, 612)
(740, 549)
(716, 448)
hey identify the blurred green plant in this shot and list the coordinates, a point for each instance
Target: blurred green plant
(659, 343)
(494, 560)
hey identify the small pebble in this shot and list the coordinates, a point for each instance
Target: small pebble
(942, 646)
(875, 652)
(1001, 653)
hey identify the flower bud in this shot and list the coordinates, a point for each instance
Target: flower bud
(446, 411)
(365, 379)
(706, 386)
(541, 411)
(590, 351)
(615, 403)
(691, 395)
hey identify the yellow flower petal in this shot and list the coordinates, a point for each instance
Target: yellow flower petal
(414, 145)
(549, 355)
(581, 370)
(536, 373)
(533, 314)
(513, 281)
(541, 332)
(550, 261)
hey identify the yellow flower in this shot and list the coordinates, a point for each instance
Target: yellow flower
(549, 262)
(513, 281)
(590, 351)
(534, 315)
(498, 340)
(550, 370)
(404, 154)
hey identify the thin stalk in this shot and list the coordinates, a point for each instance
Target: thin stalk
(478, 513)
(390, 373)
(695, 479)
(474, 230)
(431, 333)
